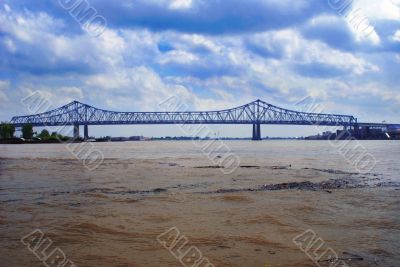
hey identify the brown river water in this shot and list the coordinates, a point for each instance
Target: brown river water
(114, 215)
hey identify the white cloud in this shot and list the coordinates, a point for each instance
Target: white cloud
(382, 9)
(126, 62)
(4, 85)
(72, 91)
(38, 32)
(379, 91)
(175, 56)
(27, 26)
(7, 8)
(396, 36)
(170, 4)
(9, 44)
(139, 87)
(200, 40)
(54, 97)
(294, 48)
(180, 4)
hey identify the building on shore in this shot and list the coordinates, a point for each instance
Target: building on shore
(394, 132)
(363, 133)
(131, 138)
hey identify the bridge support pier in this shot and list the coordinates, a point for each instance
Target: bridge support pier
(356, 130)
(76, 131)
(256, 132)
(86, 132)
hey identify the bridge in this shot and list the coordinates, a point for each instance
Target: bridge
(256, 113)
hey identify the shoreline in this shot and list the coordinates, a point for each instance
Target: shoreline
(21, 142)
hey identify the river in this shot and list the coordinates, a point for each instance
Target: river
(113, 211)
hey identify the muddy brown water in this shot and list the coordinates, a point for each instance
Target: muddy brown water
(111, 216)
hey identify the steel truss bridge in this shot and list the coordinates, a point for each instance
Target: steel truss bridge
(256, 113)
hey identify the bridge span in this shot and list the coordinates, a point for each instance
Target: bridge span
(256, 113)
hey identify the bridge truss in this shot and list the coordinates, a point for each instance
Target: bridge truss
(255, 113)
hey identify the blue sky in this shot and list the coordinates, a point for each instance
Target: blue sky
(212, 54)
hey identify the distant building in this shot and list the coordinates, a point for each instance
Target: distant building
(325, 136)
(370, 133)
(131, 138)
(137, 138)
(394, 132)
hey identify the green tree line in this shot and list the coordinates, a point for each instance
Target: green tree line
(6, 130)
(45, 135)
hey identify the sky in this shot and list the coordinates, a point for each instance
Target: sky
(132, 55)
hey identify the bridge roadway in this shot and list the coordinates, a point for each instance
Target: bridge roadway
(256, 113)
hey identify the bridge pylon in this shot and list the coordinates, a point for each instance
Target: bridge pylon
(256, 132)
(86, 132)
(76, 131)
